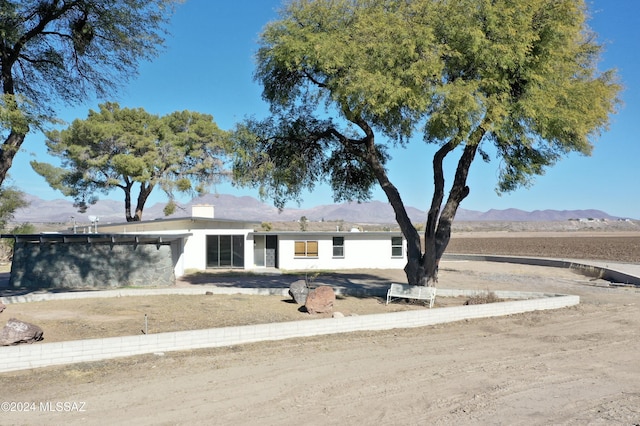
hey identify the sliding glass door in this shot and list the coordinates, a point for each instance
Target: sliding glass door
(225, 251)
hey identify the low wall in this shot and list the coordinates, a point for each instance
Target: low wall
(46, 354)
(586, 268)
(78, 265)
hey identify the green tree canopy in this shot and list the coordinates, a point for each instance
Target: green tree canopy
(117, 147)
(54, 51)
(346, 80)
(11, 200)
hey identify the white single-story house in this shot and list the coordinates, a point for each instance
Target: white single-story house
(208, 242)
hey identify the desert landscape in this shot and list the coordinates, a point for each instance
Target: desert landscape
(570, 366)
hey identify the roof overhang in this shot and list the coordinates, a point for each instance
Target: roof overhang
(99, 239)
(329, 233)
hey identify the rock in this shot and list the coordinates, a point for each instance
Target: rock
(320, 300)
(2, 307)
(338, 315)
(298, 290)
(17, 331)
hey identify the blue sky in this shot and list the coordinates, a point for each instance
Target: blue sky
(208, 67)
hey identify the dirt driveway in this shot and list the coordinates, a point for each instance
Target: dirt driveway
(571, 366)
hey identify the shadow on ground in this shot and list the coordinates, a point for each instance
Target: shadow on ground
(355, 282)
(346, 280)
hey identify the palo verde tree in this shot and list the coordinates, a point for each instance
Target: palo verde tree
(346, 80)
(127, 148)
(63, 51)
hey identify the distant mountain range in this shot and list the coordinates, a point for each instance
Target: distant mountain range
(248, 208)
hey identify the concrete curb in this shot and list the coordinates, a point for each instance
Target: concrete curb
(595, 269)
(48, 354)
(42, 297)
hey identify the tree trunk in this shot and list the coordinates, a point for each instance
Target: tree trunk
(8, 150)
(431, 259)
(415, 271)
(16, 136)
(438, 230)
(422, 267)
(415, 260)
(127, 201)
(145, 191)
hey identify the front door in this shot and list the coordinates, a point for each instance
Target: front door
(271, 252)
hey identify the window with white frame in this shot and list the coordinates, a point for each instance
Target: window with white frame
(396, 246)
(306, 249)
(338, 246)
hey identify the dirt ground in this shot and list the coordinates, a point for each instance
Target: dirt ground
(570, 366)
(96, 318)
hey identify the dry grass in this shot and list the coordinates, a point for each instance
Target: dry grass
(483, 298)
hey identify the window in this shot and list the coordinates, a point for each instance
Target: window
(396, 246)
(306, 249)
(338, 246)
(225, 251)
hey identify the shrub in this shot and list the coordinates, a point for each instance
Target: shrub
(482, 298)
(6, 245)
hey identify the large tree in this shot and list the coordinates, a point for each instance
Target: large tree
(62, 51)
(124, 148)
(346, 80)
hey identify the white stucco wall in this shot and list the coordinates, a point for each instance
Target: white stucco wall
(194, 252)
(361, 250)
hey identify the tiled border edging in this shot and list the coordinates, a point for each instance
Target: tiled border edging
(47, 354)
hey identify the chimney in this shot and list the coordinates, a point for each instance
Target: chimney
(202, 211)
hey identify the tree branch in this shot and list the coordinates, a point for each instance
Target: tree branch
(314, 80)
(438, 191)
(459, 190)
(39, 27)
(392, 193)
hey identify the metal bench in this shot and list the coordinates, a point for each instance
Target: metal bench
(406, 291)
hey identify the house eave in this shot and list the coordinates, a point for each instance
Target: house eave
(98, 238)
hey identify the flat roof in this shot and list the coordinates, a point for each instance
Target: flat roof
(178, 219)
(337, 233)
